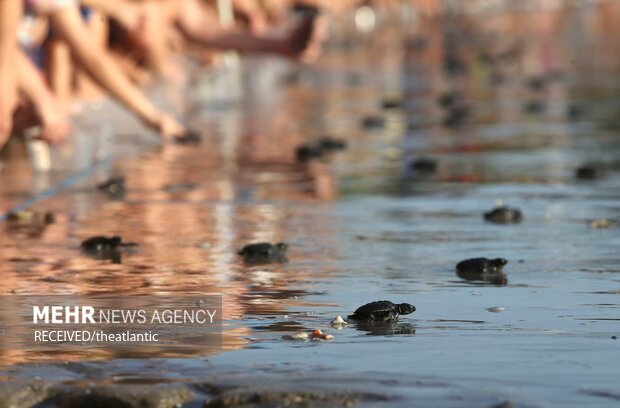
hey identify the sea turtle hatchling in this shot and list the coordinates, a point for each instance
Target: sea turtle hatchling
(382, 310)
(107, 248)
(483, 269)
(264, 252)
(100, 243)
(504, 215)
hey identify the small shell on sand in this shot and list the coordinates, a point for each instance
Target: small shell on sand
(339, 321)
(319, 335)
(496, 309)
(301, 336)
(601, 224)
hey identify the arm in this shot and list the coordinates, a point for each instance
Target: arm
(69, 26)
(10, 13)
(124, 12)
(291, 44)
(252, 13)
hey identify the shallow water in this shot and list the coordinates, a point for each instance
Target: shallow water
(362, 227)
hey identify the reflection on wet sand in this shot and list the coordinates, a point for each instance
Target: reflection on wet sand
(389, 328)
(518, 73)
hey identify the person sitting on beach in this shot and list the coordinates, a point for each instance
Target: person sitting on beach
(10, 11)
(40, 106)
(68, 25)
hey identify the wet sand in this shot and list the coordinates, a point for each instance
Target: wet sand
(361, 226)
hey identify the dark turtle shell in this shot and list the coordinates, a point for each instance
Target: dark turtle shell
(449, 99)
(104, 248)
(328, 143)
(191, 137)
(424, 164)
(101, 243)
(590, 171)
(373, 122)
(264, 252)
(483, 269)
(308, 152)
(504, 215)
(114, 186)
(381, 310)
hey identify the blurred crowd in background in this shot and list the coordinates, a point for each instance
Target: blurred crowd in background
(54, 53)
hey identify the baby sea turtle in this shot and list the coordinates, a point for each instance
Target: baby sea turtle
(392, 102)
(590, 171)
(373, 122)
(382, 310)
(504, 215)
(449, 99)
(318, 149)
(189, 137)
(424, 164)
(106, 248)
(103, 248)
(483, 269)
(264, 252)
(456, 116)
(575, 111)
(101, 243)
(537, 83)
(534, 107)
(328, 143)
(114, 187)
(453, 64)
(308, 152)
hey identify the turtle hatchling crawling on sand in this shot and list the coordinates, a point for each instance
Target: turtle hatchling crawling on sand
(483, 269)
(106, 248)
(382, 310)
(264, 252)
(504, 215)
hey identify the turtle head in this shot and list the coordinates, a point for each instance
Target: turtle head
(499, 262)
(281, 246)
(405, 308)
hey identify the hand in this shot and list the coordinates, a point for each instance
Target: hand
(55, 125)
(168, 127)
(306, 37)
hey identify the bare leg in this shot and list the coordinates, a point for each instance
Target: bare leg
(54, 122)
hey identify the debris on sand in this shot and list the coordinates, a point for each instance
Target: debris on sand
(301, 336)
(601, 224)
(338, 322)
(319, 335)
